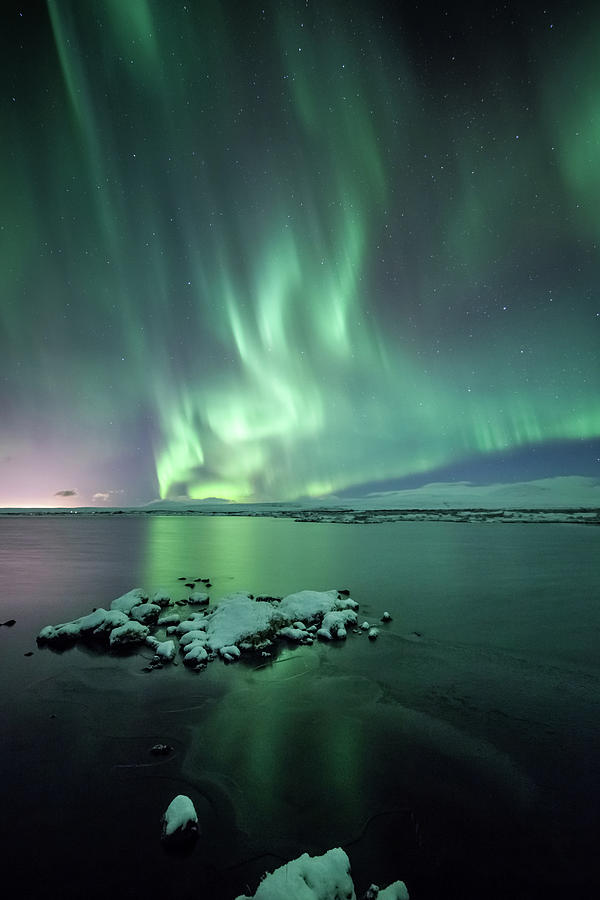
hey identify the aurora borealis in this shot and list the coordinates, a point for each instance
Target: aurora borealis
(261, 251)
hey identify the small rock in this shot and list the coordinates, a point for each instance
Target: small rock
(182, 578)
(9, 623)
(365, 626)
(29, 653)
(373, 634)
(190, 584)
(372, 893)
(386, 617)
(344, 592)
(161, 749)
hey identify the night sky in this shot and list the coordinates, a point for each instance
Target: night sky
(283, 249)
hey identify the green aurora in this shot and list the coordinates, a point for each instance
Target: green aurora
(263, 251)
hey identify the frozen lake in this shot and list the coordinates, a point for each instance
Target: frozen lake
(458, 752)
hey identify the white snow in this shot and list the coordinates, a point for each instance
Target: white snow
(180, 814)
(127, 601)
(162, 597)
(324, 877)
(130, 633)
(230, 653)
(198, 598)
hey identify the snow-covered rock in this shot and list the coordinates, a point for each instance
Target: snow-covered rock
(293, 634)
(169, 619)
(324, 877)
(146, 612)
(334, 624)
(237, 617)
(309, 605)
(198, 598)
(194, 621)
(194, 635)
(373, 634)
(127, 601)
(395, 891)
(386, 617)
(230, 653)
(195, 653)
(96, 623)
(165, 650)
(129, 633)
(180, 821)
(161, 597)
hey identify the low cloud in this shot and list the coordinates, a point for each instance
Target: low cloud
(106, 495)
(66, 494)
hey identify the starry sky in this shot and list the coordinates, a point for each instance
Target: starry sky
(282, 249)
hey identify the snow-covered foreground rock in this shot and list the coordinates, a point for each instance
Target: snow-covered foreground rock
(180, 821)
(237, 624)
(324, 877)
